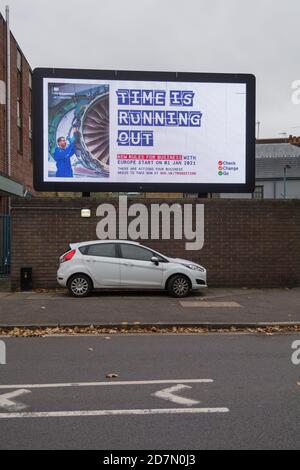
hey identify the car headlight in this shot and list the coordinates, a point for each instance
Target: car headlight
(194, 267)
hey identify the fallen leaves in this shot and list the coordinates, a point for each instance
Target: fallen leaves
(98, 330)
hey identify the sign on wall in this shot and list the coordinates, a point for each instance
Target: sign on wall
(143, 131)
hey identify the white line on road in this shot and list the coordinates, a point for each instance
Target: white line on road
(168, 394)
(203, 304)
(7, 403)
(159, 411)
(99, 384)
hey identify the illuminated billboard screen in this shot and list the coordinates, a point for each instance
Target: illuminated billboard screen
(143, 131)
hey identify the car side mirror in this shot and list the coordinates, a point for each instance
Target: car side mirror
(155, 260)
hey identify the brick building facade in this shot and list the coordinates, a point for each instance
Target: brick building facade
(20, 178)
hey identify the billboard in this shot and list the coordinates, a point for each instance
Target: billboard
(143, 131)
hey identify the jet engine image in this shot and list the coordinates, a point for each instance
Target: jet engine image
(95, 131)
(80, 115)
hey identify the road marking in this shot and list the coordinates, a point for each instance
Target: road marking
(11, 405)
(159, 411)
(168, 394)
(100, 384)
(2, 353)
(203, 304)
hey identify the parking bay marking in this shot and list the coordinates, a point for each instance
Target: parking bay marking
(158, 411)
(8, 404)
(99, 384)
(204, 304)
(167, 393)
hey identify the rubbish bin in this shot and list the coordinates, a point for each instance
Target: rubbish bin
(26, 279)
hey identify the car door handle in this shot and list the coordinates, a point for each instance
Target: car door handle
(128, 264)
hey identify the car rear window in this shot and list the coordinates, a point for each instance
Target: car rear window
(83, 249)
(102, 249)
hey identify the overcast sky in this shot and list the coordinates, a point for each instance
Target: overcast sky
(240, 36)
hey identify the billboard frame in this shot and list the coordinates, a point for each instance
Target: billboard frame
(37, 110)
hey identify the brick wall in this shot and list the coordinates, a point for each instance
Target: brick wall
(247, 242)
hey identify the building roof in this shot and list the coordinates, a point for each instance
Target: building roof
(277, 150)
(272, 158)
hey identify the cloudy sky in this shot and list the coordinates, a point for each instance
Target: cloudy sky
(239, 36)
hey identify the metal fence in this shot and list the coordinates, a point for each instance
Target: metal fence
(5, 237)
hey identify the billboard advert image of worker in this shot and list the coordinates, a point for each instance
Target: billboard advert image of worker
(77, 133)
(141, 134)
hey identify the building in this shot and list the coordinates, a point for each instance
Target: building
(277, 173)
(15, 158)
(15, 134)
(272, 161)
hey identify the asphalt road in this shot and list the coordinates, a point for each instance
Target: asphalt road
(250, 398)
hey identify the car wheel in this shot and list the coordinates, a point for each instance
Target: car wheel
(179, 286)
(80, 285)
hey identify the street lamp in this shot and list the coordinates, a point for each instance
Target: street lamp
(286, 167)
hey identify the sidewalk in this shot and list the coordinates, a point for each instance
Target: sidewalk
(212, 307)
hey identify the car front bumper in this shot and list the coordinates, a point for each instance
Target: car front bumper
(199, 280)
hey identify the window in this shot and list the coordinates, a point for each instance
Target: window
(19, 85)
(160, 258)
(19, 139)
(83, 249)
(136, 252)
(19, 60)
(19, 103)
(258, 192)
(30, 114)
(102, 249)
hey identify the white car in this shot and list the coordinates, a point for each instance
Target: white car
(121, 264)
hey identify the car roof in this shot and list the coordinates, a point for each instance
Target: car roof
(96, 242)
(99, 242)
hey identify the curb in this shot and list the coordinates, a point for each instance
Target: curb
(161, 326)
